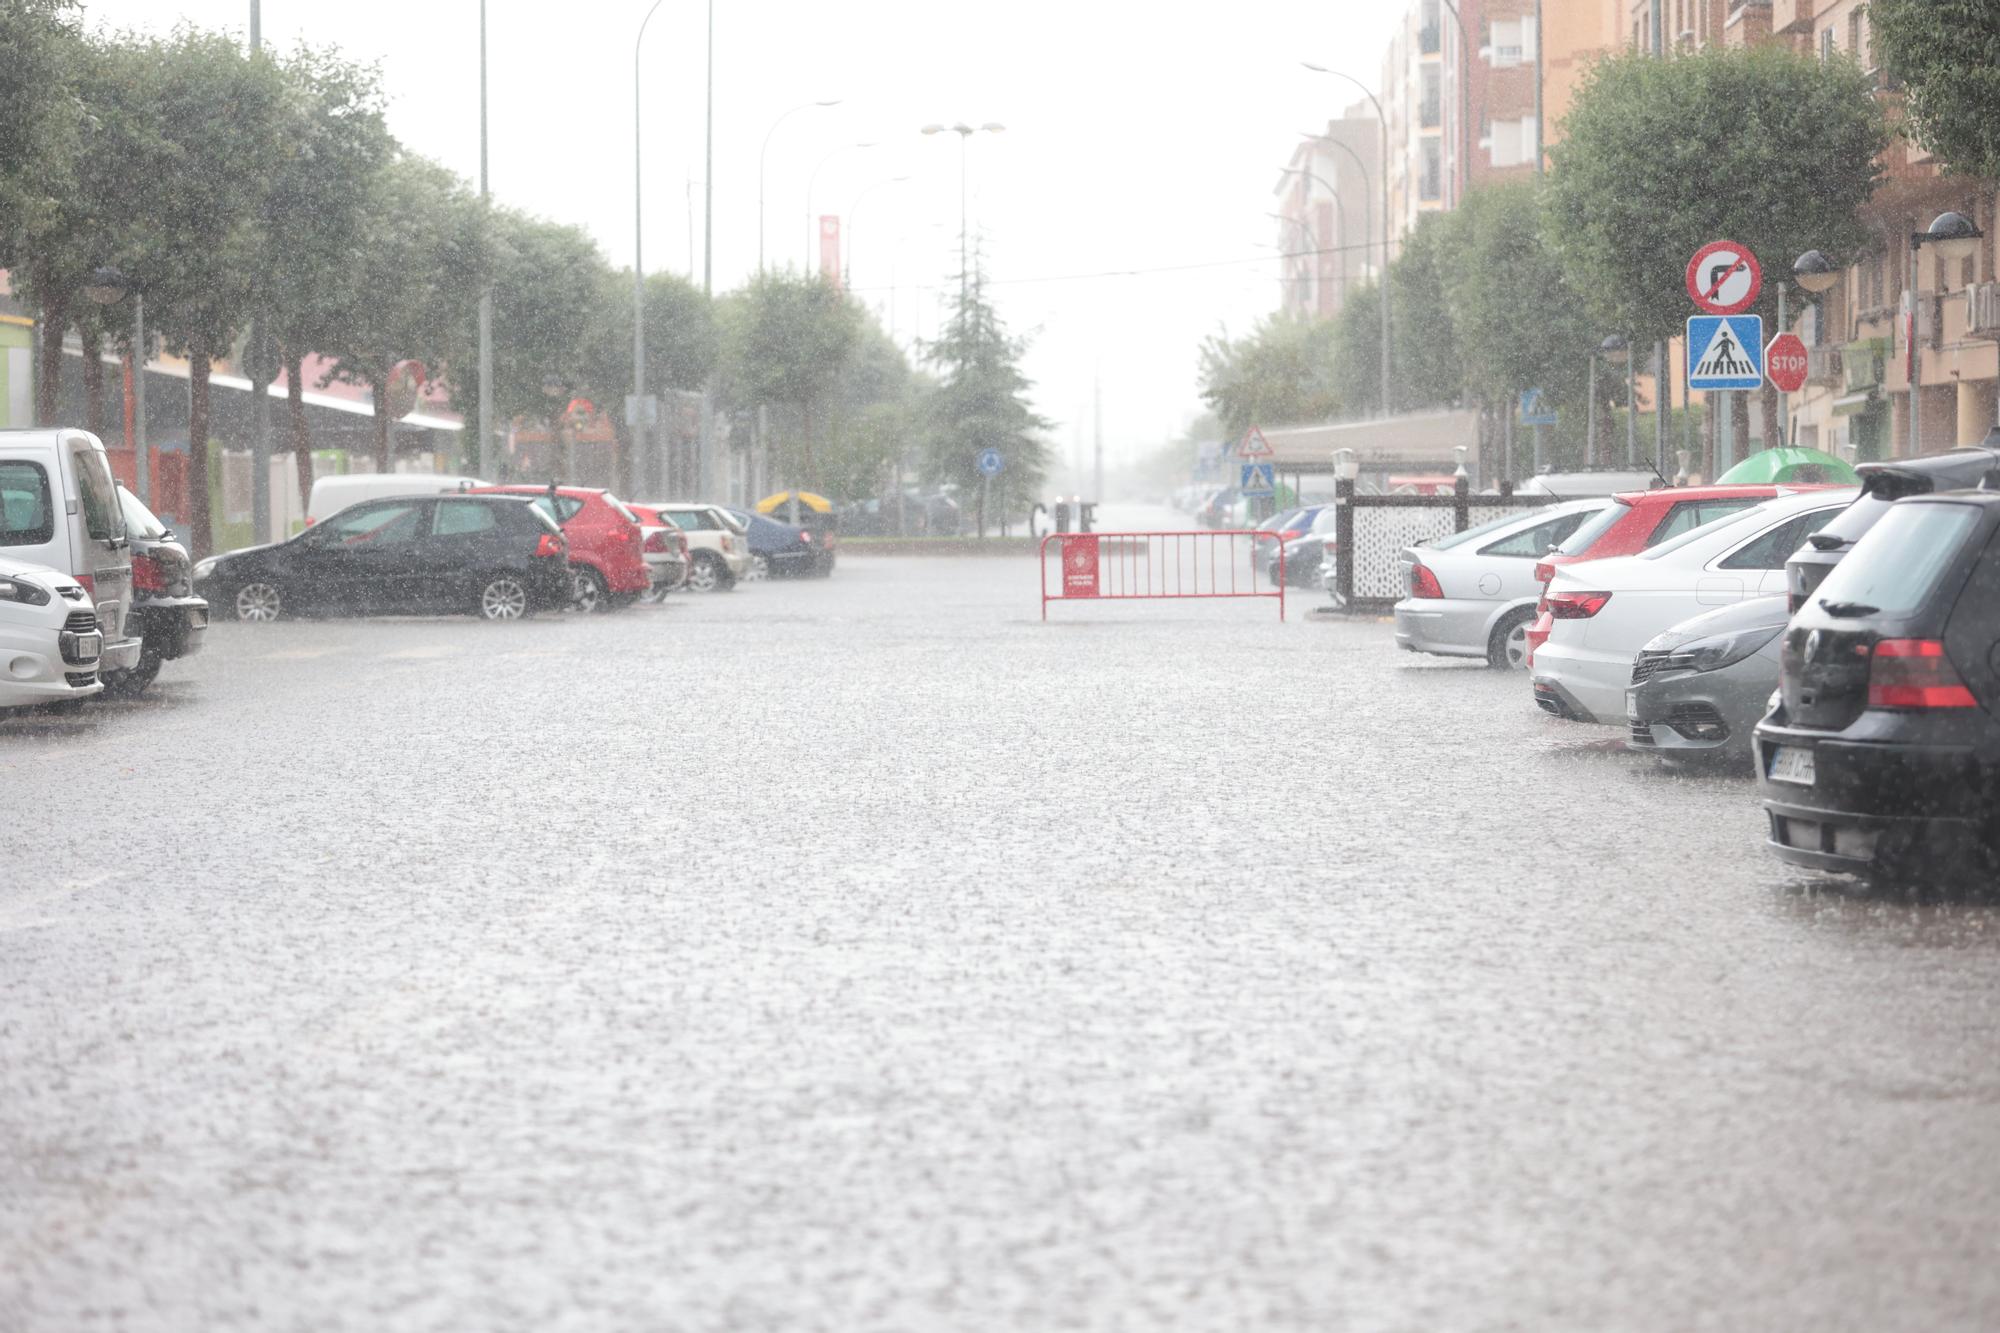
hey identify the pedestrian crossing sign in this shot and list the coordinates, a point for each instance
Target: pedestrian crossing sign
(1258, 480)
(1725, 352)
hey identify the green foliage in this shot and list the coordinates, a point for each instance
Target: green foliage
(981, 402)
(1518, 323)
(1758, 145)
(680, 338)
(41, 120)
(1946, 54)
(1281, 374)
(785, 339)
(1427, 369)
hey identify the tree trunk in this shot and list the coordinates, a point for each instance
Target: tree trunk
(93, 376)
(1739, 407)
(295, 404)
(378, 393)
(201, 526)
(1767, 400)
(810, 478)
(48, 384)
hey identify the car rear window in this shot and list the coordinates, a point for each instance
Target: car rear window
(1534, 542)
(623, 509)
(562, 509)
(1727, 520)
(1897, 565)
(27, 510)
(1473, 534)
(1687, 515)
(692, 520)
(1594, 527)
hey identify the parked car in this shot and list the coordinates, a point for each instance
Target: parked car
(606, 549)
(1699, 688)
(169, 619)
(1585, 485)
(1304, 544)
(780, 550)
(1604, 611)
(665, 548)
(1881, 753)
(59, 508)
(1640, 520)
(716, 546)
(1473, 593)
(495, 556)
(331, 494)
(49, 638)
(1882, 484)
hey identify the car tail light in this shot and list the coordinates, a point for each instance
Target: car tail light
(89, 585)
(657, 543)
(310, 520)
(805, 537)
(549, 545)
(1423, 583)
(1544, 571)
(1289, 533)
(1575, 605)
(1915, 673)
(147, 575)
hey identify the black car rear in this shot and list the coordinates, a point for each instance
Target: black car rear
(1882, 484)
(1882, 753)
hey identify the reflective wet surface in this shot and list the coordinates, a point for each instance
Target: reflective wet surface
(865, 953)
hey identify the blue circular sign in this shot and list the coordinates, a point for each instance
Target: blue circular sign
(990, 462)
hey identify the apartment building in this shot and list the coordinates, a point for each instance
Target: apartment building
(1329, 214)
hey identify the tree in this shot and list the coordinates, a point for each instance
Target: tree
(1946, 54)
(40, 118)
(874, 412)
(423, 253)
(316, 219)
(680, 348)
(1426, 369)
(1759, 145)
(785, 339)
(1281, 374)
(982, 403)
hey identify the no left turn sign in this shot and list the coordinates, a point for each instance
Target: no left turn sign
(1723, 278)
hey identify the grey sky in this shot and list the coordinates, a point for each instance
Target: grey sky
(1137, 137)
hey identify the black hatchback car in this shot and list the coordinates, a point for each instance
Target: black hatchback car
(1881, 753)
(493, 556)
(1882, 484)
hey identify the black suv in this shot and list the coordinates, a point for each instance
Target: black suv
(1881, 753)
(1882, 484)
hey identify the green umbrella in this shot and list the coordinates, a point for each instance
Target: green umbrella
(1800, 466)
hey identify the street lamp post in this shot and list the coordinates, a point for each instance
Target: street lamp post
(964, 133)
(106, 287)
(1382, 120)
(812, 181)
(1955, 237)
(635, 413)
(762, 155)
(1814, 273)
(487, 468)
(258, 361)
(1313, 245)
(1367, 223)
(1465, 105)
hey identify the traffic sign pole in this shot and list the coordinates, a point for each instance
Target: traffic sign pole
(1770, 367)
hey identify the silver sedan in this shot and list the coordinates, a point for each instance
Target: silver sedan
(1473, 594)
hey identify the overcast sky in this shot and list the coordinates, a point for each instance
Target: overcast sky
(1135, 138)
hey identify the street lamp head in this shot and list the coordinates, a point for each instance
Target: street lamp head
(993, 127)
(1317, 69)
(106, 285)
(1954, 235)
(934, 129)
(832, 102)
(1615, 350)
(1814, 271)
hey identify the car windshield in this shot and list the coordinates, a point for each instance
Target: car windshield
(1585, 537)
(1895, 566)
(27, 509)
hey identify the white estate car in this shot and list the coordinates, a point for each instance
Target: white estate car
(1473, 593)
(49, 640)
(1603, 611)
(717, 548)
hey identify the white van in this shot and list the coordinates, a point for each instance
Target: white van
(59, 507)
(332, 494)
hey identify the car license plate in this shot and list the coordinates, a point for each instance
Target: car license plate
(89, 645)
(1632, 705)
(1792, 763)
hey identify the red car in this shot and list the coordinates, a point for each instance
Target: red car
(1638, 521)
(606, 549)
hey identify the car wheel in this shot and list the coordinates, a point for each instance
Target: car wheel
(708, 573)
(655, 594)
(759, 570)
(588, 592)
(1507, 646)
(503, 598)
(260, 602)
(131, 684)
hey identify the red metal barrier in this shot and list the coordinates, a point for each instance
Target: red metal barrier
(1162, 566)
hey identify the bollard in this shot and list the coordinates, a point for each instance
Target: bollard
(1086, 514)
(1062, 515)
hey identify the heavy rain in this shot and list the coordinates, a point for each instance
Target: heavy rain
(763, 666)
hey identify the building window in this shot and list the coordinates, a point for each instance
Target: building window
(1428, 111)
(1430, 187)
(1826, 47)
(1506, 43)
(1858, 43)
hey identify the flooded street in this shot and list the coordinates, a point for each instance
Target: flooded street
(867, 954)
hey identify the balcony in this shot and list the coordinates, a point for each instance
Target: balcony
(1823, 367)
(1428, 113)
(1427, 40)
(1983, 317)
(1863, 364)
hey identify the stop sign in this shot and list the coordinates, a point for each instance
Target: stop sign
(1785, 362)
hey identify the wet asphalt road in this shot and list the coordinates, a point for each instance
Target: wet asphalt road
(866, 954)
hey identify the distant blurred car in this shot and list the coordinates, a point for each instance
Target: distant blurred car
(170, 620)
(665, 548)
(1699, 688)
(1473, 593)
(780, 550)
(1303, 541)
(717, 550)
